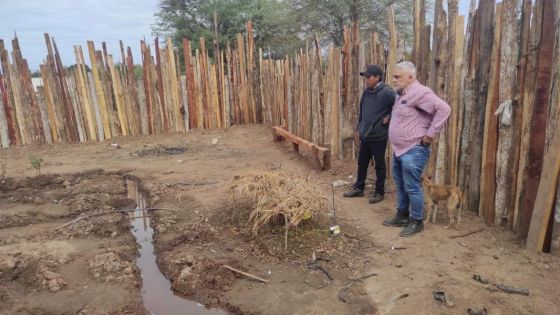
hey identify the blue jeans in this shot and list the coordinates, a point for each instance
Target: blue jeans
(407, 170)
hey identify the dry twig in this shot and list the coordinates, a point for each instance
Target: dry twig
(248, 275)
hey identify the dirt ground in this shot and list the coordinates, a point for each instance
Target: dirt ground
(89, 267)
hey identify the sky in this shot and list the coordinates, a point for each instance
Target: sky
(74, 22)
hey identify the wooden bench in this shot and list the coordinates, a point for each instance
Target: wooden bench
(318, 153)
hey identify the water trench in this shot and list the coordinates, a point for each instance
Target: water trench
(157, 296)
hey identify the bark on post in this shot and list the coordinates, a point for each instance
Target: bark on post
(506, 148)
(488, 174)
(540, 111)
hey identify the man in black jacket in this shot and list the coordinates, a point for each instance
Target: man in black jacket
(373, 126)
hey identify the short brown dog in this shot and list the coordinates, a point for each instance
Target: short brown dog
(434, 193)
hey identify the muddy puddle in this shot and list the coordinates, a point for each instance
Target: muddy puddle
(157, 296)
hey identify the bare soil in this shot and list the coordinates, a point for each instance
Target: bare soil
(89, 267)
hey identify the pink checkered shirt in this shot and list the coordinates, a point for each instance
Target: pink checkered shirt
(417, 112)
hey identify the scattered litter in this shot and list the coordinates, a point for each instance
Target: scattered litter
(116, 145)
(215, 141)
(340, 183)
(248, 275)
(397, 247)
(480, 279)
(475, 311)
(509, 289)
(443, 297)
(502, 287)
(315, 266)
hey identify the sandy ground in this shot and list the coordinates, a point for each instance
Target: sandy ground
(89, 267)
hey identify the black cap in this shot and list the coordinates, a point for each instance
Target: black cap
(372, 70)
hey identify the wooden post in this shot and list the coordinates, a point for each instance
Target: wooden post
(13, 128)
(539, 119)
(508, 82)
(526, 77)
(488, 174)
(545, 202)
(484, 42)
(99, 91)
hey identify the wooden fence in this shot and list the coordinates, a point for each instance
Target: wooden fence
(507, 164)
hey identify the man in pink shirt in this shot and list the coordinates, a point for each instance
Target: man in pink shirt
(418, 116)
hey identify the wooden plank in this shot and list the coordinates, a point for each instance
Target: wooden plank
(539, 119)
(30, 107)
(454, 101)
(44, 116)
(545, 202)
(50, 104)
(506, 146)
(18, 107)
(490, 144)
(189, 74)
(160, 88)
(90, 122)
(280, 134)
(13, 129)
(438, 78)
(69, 115)
(4, 134)
(255, 112)
(486, 10)
(99, 91)
(119, 97)
(468, 72)
(75, 102)
(524, 75)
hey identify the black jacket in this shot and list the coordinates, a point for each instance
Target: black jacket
(374, 106)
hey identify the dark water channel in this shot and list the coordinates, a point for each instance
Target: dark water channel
(157, 296)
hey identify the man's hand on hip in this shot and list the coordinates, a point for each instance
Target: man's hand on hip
(426, 141)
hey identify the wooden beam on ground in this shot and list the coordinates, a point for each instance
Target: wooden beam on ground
(321, 156)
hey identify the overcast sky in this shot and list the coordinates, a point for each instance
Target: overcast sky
(73, 22)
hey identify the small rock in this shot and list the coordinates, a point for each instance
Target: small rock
(109, 278)
(8, 263)
(180, 161)
(185, 272)
(215, 141)
(114, 234)
(340, 183)
(128, 270)
(66, 184)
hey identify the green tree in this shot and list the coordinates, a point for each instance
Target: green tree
(328, 17)
(274, 24)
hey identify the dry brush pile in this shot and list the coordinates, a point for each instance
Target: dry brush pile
(276, 199)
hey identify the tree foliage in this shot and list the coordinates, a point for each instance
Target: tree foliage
(273, 24)
(281, 25)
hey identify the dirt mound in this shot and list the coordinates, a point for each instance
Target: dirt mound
(111, 267)
(202, 279)
(160, 150)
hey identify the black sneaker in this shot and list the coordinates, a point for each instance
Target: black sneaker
(415, 226)
(355, 192)
(375, 198)
(400, 219)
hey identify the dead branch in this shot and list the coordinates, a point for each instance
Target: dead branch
(245, 274)
(81, 217)
(147, 209)
(467, 234)
(509, 289)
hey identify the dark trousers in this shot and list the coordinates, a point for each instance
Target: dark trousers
(367, 151)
